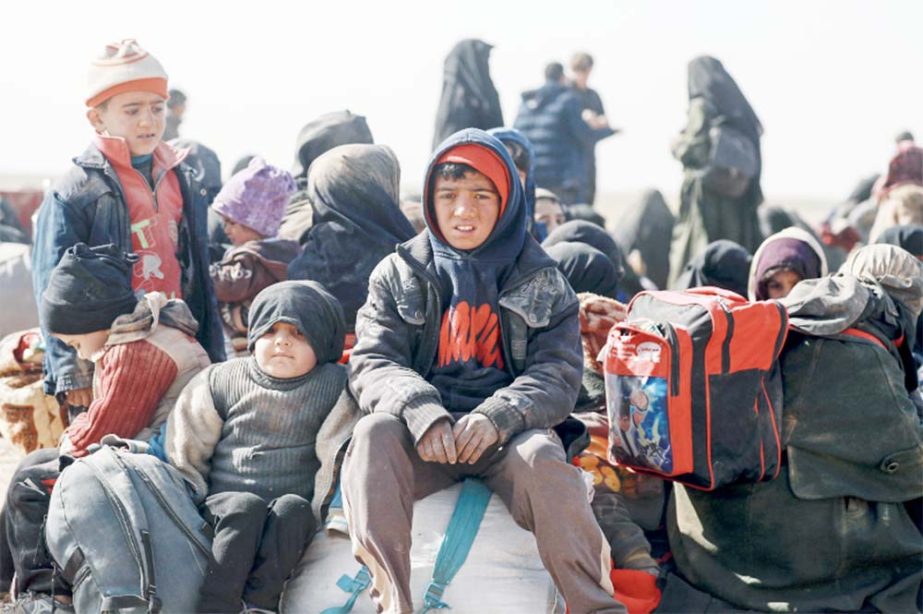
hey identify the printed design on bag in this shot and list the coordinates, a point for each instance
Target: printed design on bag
(640, 429)
(604, 475)
(470, 333)
(649, 351)
(611, 477)
(20, 424)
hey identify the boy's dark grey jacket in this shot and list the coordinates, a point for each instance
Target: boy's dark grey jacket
(398, 328)
(87, 206)
(398, 336)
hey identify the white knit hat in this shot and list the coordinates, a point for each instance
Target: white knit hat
(124, 67)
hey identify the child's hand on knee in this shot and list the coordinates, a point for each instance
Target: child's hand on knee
(80, 397)
(437, 444)
(473, 434)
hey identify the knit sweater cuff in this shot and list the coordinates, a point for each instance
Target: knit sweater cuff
(420, 414)
(503, 416)
(73, 381)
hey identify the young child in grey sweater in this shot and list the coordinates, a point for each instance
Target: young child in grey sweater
(245, 433)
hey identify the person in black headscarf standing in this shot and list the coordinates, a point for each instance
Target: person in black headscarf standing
(722, 264)
(318, 136)
(720, 153)
(581, 231)
(469, 98)
(644, 232)
(354, 193)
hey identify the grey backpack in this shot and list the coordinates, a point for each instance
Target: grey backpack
(732, 162)
(127, 535)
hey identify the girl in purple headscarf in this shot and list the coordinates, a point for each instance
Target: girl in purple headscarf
(783, 260)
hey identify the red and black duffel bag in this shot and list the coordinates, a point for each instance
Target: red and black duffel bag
(693, 388)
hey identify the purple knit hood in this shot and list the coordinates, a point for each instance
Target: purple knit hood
(256, 197)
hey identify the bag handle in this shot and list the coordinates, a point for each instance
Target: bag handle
(861, 334)
(110, 470)
(456, 543)
(354, 586)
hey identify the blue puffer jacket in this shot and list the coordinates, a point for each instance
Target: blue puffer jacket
(87, 206)
(550, 118)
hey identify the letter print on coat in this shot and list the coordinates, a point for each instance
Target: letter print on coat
(150, 237)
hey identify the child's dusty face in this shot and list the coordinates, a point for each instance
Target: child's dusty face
(549, 213)
(466, 209)
(781, 283)
(238, 233)
(137, 117)
(283, 352)
(86, 344)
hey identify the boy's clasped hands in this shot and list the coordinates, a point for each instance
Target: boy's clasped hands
(463, 442)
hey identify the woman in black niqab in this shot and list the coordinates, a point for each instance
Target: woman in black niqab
(723, 264)
(705, 216)
(469, 98)
(354, 191)
(647, 226)
(708, 79)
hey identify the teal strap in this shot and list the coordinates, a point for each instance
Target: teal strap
(354, 586)
(337, 501)
(459, 536)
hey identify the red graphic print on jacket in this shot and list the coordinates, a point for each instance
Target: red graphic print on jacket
(468, 333)
(154, 214)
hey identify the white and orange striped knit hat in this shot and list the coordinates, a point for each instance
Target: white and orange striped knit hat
(124, 67)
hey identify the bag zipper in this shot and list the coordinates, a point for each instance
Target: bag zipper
(726, 344)
(756, 411)
(673, 341)
(150, 593)
(172, 513)
(122, 516)
(775, 429)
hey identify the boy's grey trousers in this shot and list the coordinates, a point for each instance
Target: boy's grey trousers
(383, 475)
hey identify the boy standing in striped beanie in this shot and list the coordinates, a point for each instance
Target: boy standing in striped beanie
(130, 189)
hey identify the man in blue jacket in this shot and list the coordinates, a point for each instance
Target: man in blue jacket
(550, 117)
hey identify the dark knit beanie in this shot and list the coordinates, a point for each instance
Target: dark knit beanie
(88, 290)
(307, 306)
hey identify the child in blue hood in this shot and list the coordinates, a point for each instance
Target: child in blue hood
(520, 149)
(467, 356)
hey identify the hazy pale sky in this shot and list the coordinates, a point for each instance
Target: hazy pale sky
(832, 81)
